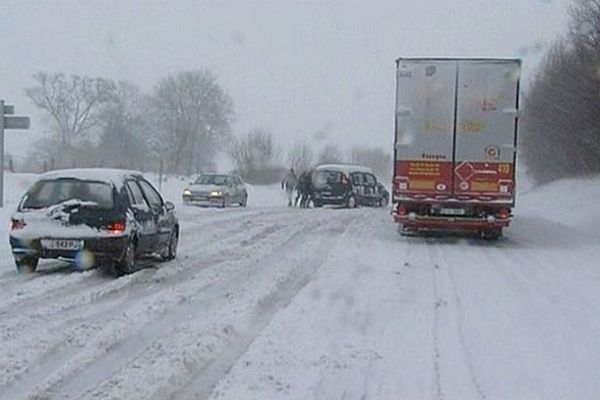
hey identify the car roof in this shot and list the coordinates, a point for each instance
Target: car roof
(108, 175)
(347, 168)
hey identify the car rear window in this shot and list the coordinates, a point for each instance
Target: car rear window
(321, 178)
(47, 193)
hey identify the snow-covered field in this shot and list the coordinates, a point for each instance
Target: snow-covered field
(275, 303)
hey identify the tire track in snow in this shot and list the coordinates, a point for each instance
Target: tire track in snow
(67, 352)
(89, 370)
(438, 302)
(460, 323)
(213, 294)
(423, 244)
(96, 287)
(442, 307)
(52, 283)
(201, 384)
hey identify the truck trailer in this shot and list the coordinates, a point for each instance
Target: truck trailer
(455, 150)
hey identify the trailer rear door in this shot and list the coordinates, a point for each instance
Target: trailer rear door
(487, 102)
(425, 111)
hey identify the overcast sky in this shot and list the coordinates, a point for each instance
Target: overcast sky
(321, 71)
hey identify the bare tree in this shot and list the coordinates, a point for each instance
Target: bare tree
(125, 127)
(72, 101)
(256, 157)
(300, 157)
(379, 160)
(330, 154)
(193, 115)
(560, 135)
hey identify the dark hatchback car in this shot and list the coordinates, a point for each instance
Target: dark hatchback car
(347, 185)
(93, 217)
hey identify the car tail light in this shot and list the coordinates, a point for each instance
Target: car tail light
(116, 227)
(503, 213)
(16, 224)
(401, 209)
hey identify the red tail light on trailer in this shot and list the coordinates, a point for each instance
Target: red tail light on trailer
(401, 209)
(504, 213)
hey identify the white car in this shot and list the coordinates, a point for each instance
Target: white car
(220, 190)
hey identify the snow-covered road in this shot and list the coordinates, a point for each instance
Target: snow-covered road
(273, 303)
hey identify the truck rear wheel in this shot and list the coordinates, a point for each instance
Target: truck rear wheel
(491, 234)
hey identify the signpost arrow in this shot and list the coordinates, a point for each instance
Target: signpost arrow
(8, 123)
(16, 122)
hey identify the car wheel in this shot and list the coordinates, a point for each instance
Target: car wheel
(383, 202)
(27, 265)
(126, 265)
(351, 202)
(173, 243)
(244, 201)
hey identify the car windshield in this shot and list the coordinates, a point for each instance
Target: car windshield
(323, 178)
(219, 180)
(47, 193)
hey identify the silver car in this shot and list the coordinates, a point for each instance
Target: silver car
(216, 190)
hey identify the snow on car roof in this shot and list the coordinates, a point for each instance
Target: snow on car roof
(348, 168)
(114, 176)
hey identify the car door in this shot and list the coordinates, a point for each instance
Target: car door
(357, 180)
(143, 216)
(229, 188)
(162, 218)
(234, 189)
(370, 189)
(241, 191)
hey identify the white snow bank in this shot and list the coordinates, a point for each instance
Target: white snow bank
(572, 202)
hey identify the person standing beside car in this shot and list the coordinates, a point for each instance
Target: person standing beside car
(289, 184)
(304, 189)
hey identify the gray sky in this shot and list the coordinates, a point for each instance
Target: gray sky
(321, 70)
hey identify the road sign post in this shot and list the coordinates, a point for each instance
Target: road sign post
(8, 123)
(2, 153)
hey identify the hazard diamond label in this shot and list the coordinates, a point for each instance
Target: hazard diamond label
(465, 171)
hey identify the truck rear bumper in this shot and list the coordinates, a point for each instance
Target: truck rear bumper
(450, 223)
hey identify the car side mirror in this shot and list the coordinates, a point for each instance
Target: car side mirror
(169, 206)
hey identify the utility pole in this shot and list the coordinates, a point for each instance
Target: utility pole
(8, 123)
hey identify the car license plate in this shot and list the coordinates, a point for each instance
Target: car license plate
(452, 211)
(62, 244)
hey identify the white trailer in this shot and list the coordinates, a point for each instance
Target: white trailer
(455, 143)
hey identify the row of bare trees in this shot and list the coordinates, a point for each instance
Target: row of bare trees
(185, 121)
(183, 124)
(258, 159)
(561, 120)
